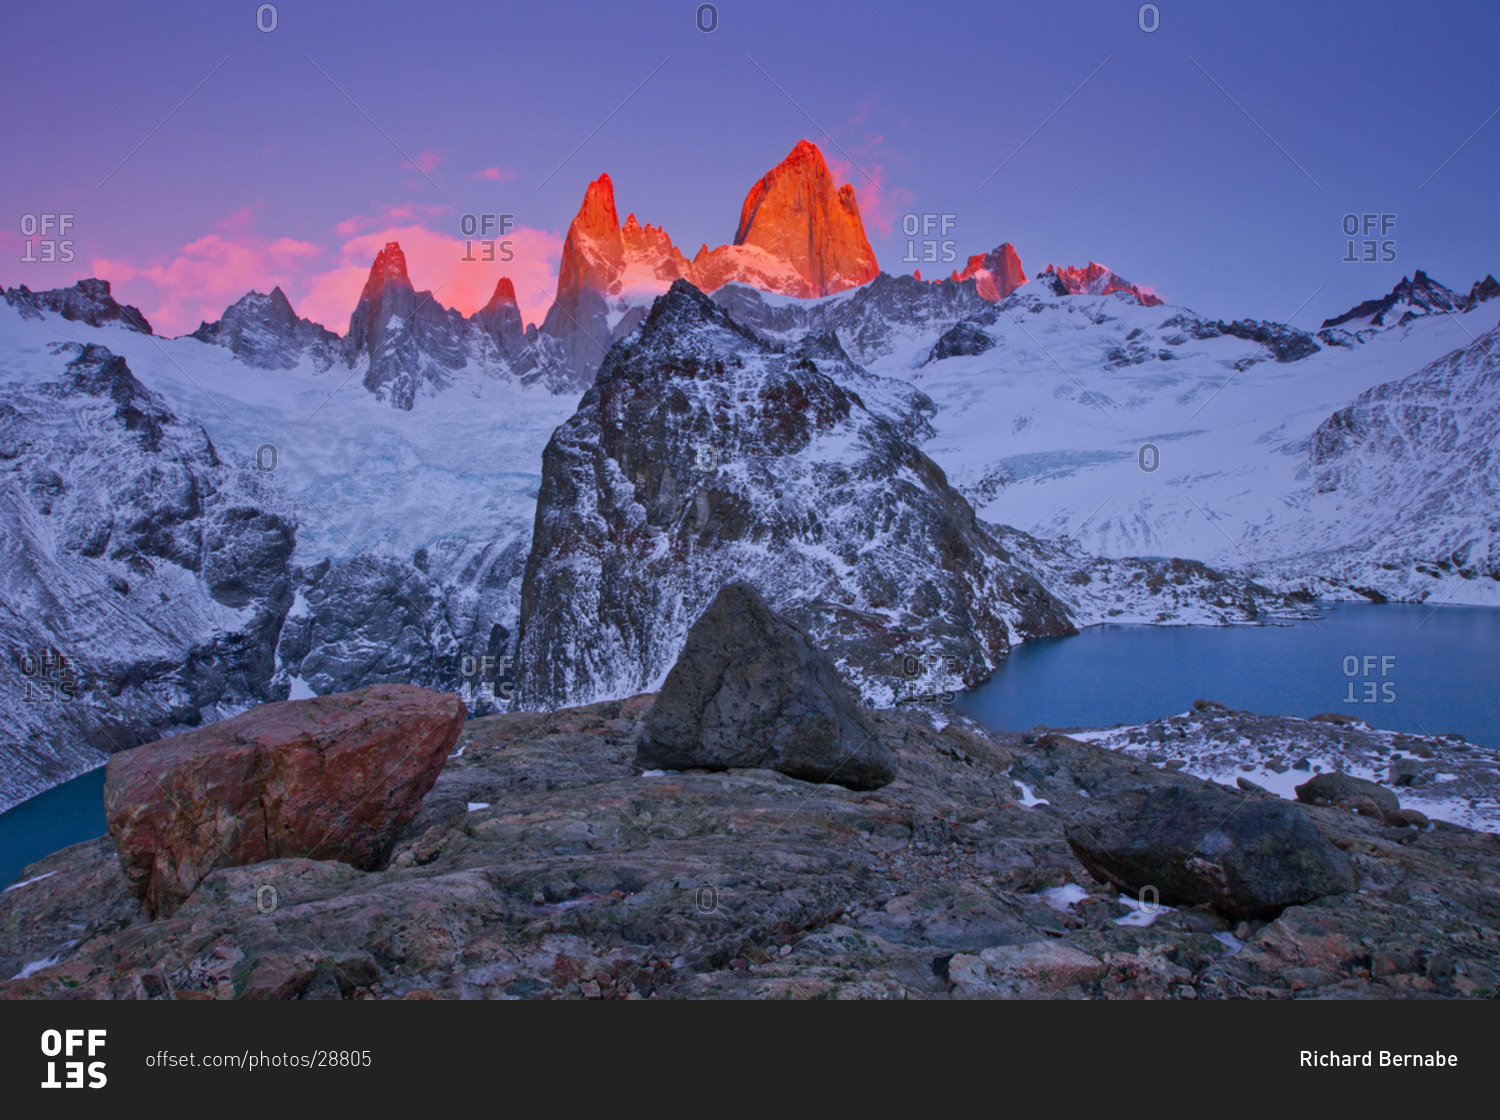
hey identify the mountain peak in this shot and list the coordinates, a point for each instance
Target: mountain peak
(597, 217)
(996, 273)
(389, 270)
(505, 294)
(1098, 280)
(1419, 293)
(795, 214)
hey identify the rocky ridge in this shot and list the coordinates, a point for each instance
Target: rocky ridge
(544, 864)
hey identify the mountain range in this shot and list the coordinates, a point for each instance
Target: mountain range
(918, 472)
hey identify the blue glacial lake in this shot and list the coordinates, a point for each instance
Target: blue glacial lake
(63, 815)
(1395, 666)
(1406, 668)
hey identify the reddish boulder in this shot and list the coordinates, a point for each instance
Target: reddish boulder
(332, 778)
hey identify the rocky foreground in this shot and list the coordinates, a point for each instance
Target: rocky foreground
(547, 862)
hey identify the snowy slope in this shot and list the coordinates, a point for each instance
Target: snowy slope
(143, 580)
(440, 498)
(1044, 431)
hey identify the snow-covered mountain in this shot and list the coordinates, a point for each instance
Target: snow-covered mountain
(910, 468)
(1425, 448)
(88, 301)
(1138, 430)
(704, 454)
(265, 333)
(144, 579)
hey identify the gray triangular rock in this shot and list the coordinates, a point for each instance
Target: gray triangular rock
(751, 690)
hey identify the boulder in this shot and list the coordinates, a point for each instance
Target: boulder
(1200, 845)
(332, 778)
(750, 690)
(1344, 791)
(1406, 772)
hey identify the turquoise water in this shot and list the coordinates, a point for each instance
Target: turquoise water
(1402, 667)
(63, 815)
(1412, 669)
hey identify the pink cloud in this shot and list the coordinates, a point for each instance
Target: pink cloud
(427, 161)
(879, 206)
(199, 280)
(390, 215)
(435, 262)
(205, 276)
(495, 174)
(239, 220)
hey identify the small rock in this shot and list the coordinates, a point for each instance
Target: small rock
(1337, 718)
(1344, 791)
(1040, 970)
(1407, 817)
(1404, 772)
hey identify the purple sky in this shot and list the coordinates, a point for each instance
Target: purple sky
(268, 174)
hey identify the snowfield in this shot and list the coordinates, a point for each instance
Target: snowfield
(1045, 432)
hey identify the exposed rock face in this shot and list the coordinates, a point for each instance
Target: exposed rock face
(1201, 846)
(796, 216)
(264, 332)
(1283, 343)
(501, 320)
(1424, 446)
(599, 263)
(1097, 280)
(1412, 298)
(370, 620)
(703, 454)
(798, 235)
(1481, 291)
(869, 321)
(750, 690)
(87, 301)
(995, 274)
(333, 778)
(601, 255)
(405, 338)
(964, 338)
(145, 581)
